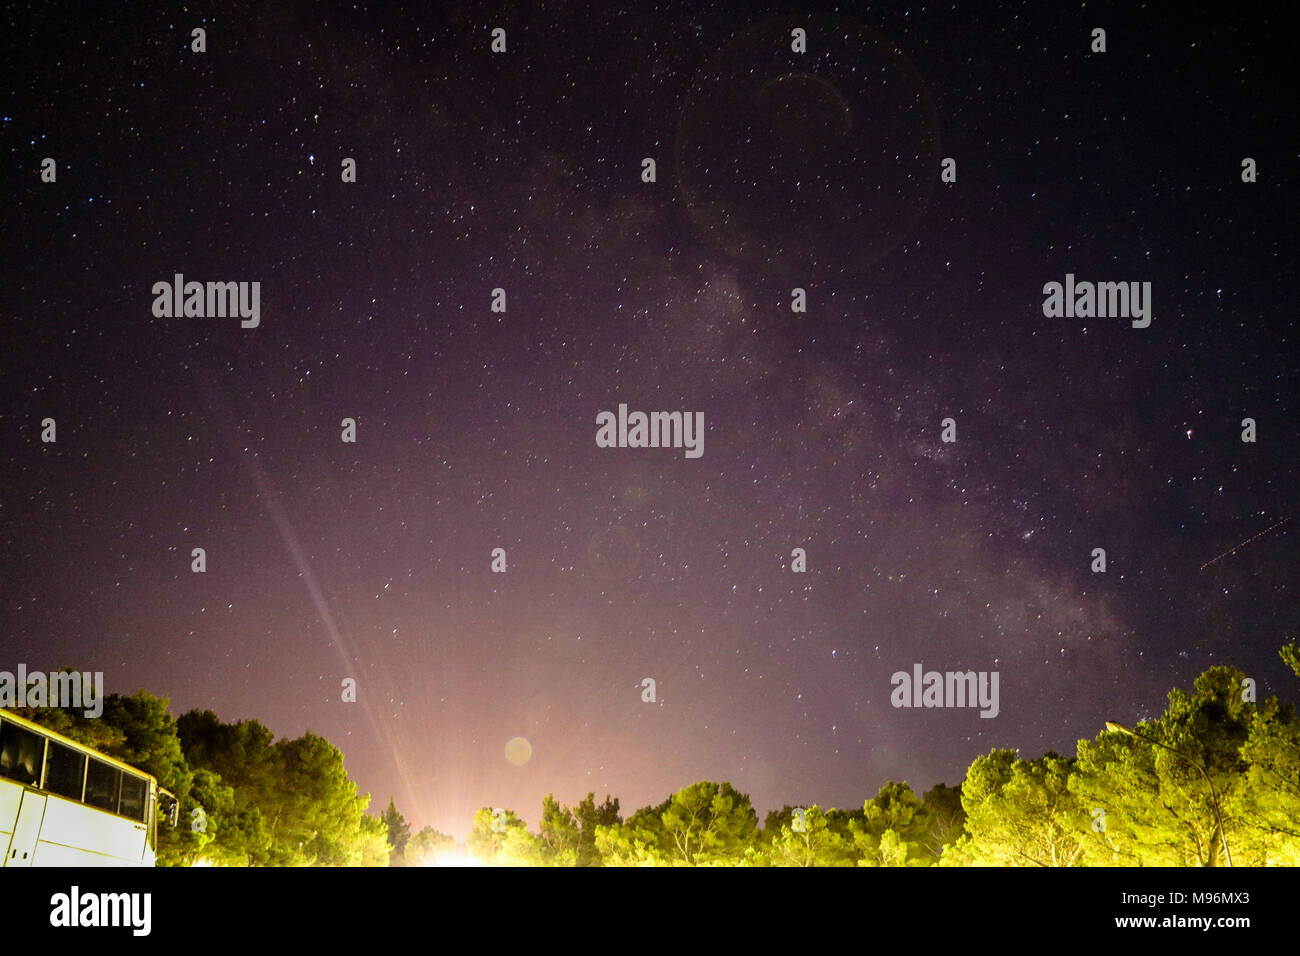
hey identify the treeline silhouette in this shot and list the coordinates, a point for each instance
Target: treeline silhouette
(1214, 780)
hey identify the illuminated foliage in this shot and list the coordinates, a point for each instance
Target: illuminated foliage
(1216, 775)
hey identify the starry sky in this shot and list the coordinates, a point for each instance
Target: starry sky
(476, 429)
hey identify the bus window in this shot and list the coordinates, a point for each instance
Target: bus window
(20, 754)
(133, 791)
(65, 771)
(103, 784)
(151, 824)
(168, 807)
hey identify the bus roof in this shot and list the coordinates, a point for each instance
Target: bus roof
(55, 735)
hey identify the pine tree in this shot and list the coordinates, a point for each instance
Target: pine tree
(399, 832)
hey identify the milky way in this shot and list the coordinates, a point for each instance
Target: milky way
(476, 429)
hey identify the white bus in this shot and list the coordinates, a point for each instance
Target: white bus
(63, 804)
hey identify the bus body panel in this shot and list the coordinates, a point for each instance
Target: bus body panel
(11, 795)
(96, 834)
(41, 826)
(27, 829)
(56, 854)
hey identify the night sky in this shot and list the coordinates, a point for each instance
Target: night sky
(476, 429)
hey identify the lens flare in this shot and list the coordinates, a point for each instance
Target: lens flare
(519, 751)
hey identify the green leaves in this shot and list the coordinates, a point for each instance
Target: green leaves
(427, 846)
(809, 839)
(499, 837)
(397, 831)
(707, 823)
(1169, 787)
(1021, 813)
(1290, 655)
(293, 802)
(1216, 776)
